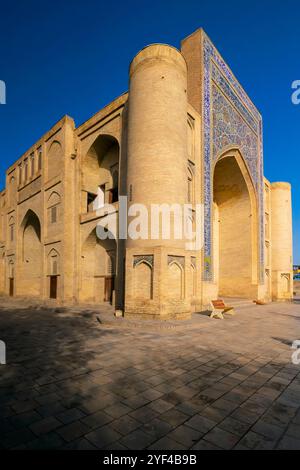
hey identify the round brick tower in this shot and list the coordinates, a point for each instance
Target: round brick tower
(157, 174)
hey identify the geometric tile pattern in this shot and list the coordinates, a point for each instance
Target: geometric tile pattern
(229, 128)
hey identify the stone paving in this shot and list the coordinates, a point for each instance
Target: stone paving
(74, 381)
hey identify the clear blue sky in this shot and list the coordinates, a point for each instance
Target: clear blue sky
(72, 57)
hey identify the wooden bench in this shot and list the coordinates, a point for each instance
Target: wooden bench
(219, 308)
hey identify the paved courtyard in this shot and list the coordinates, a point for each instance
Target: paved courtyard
(75, 381)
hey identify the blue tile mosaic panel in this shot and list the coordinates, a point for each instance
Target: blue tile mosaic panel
(229, 120)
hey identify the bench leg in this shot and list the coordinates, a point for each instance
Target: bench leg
(217, 313)
(230, 311)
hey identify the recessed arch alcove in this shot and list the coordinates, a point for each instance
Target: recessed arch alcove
(98, 268)
(235, 238)
(100, 173)
(31, 255)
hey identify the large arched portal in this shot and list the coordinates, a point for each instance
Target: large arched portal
(101, 173)
(31, 261)
(98, 267)
(235, 228)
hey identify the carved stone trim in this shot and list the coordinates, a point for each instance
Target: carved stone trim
(177, 259)
(286, 275)
(140, 258)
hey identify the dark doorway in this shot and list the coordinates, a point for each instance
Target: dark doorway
(53, 287)
(109, 287)
(90, 201)
(11, 286)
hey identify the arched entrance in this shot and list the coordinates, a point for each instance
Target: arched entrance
(100, 173)
(98, 258)
(31, 255)
(235, 228)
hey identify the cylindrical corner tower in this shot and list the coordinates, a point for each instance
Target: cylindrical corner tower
(157, 130)
(156, 174)
(281, 242)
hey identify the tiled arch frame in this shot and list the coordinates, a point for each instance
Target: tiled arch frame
(229, 119)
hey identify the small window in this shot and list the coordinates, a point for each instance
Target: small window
(11, 233)
(32, 164)
(26, 169)
(20, 174)
(39, 159)
(53, 214)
